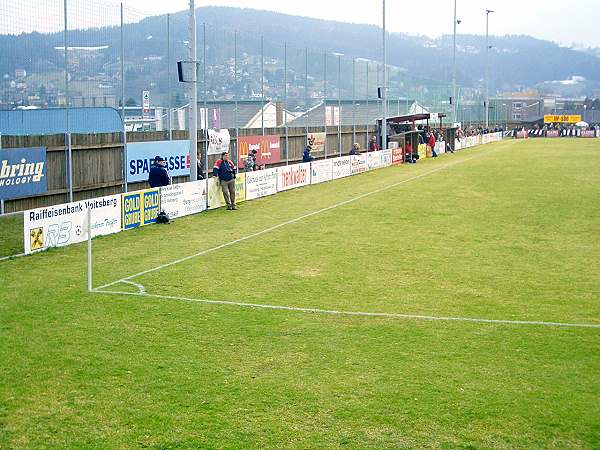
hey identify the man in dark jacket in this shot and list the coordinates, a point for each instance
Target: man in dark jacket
(158, 173)
(306, 156)
(225, 169)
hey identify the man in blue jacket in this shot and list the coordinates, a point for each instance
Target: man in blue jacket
(158, 173)
(225, 169)
(307, 157)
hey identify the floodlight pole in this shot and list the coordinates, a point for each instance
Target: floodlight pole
(454, 110)
(193, 96)
(384, 120)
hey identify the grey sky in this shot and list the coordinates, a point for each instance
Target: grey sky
(561, 21)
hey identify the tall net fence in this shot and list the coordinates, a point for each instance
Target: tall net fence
(97, 54)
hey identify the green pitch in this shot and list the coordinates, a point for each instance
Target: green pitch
(508, 232)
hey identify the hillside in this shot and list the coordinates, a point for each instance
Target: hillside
(517, 61)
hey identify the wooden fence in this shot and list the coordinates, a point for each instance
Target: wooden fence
(98, 159)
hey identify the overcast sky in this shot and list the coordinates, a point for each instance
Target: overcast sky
(562, 21)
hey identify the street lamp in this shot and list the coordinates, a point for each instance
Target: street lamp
(487, 66)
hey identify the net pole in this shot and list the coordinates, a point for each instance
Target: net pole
(1, 200)
(169, 100)
(285, 95)
(124, 137)
(89, 252)
(325, 97)
(194, 95)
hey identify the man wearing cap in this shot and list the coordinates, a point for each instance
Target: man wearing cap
(158, 173)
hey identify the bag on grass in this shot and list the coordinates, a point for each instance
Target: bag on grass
(162, 217)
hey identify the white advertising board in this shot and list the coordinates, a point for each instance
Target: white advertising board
(66, 224)
(179, 200)
(341, 167)
(261, 183)
(218, 141)
(358, 164)
(386, 158)
(290, 177)
(373, 160)
(321, 171)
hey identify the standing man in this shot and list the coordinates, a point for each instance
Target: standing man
(159, 176)
(225, 169)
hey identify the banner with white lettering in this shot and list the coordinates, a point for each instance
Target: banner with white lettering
(22, 172)
(66, 224)
(140, 157)
(290, 177)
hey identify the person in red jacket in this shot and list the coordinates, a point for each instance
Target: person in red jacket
(431, 143)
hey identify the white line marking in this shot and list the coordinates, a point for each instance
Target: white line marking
(359, 313)
(289, 222)
(140, 287)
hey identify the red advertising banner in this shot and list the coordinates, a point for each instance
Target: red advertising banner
(588, 133)
(397, 156)
(552, 133)
(267, 149)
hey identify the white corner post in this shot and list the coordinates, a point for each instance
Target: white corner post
(89, 252)
(384, 119)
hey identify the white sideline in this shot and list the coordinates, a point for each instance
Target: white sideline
(360, 313)
(289, 222)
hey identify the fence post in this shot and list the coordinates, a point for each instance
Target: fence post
(285, 94)
(124, 132)
(69, 165)
(1, 200)
(325, 98)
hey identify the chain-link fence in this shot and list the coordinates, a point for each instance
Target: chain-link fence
(76, 53)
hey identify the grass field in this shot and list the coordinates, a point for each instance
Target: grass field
(505, 232)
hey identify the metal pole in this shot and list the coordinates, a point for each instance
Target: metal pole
(353, 100)
(325, 97)
(454, 67)
(235, 112)
(306, 95)
(285, 94)
(204, 95)
(487, 67)
(70, 156)
(193, 136)
(124, 132)
(1, 200)
(67, 104)
(367, 109)
(169, 105)
(262, 85)
(339, 104)
(384, 120)
(89, 259)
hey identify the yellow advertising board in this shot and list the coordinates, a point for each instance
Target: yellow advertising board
(562, 119)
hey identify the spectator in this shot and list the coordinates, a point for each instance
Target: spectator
(158, 173)
(250, 162)
(200, 167)
(225, 169)
(431, 144)
(373, 144)
(307, 157)
(355, 149)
